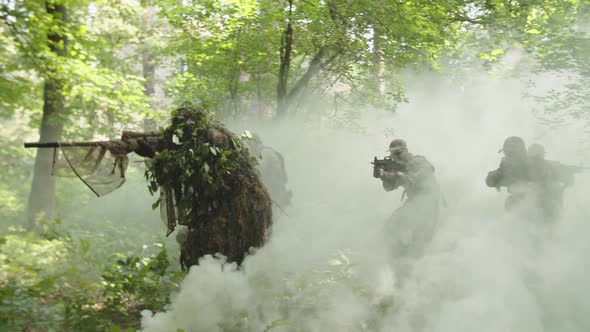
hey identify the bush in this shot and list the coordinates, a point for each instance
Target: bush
(48, 282)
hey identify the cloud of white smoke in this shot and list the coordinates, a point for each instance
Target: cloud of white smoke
(326, 266)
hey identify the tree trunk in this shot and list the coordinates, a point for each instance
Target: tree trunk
(148, 64)
(286, 98)
(285, 54)
(42, 197)
(234, 81)
(378, 62)
(312, 70)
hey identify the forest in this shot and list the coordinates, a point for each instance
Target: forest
(328, 84)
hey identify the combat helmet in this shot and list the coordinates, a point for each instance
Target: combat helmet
(398, 144)
(513, 145)
(536, 151)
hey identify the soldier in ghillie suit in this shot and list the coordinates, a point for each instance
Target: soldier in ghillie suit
(512, 172)
(205, 177)
(272, 171)
(217, 193)
(412, 226)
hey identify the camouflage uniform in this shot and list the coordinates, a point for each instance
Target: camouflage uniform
(412, 225)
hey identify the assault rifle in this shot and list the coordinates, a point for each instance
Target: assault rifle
(387, 164)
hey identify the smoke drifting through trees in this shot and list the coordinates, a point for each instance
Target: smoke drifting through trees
(326, 266)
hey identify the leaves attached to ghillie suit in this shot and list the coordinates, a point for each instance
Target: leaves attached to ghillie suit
(214, 186)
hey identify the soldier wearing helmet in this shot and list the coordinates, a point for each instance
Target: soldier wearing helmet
(513, 172)
(416, 174)
(412, 225)
(513, 167)
(513, 147)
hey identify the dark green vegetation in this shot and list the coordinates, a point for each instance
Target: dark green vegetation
(75, 70)
(54, 281)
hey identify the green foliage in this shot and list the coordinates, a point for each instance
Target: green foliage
(98, 86)
(219, 42)
(49, 283)
(16, 164)
(16, 83)
(33, 282)
(231, 49)
(140, 281)
(555, 34)
(197, 170)
(19, 303)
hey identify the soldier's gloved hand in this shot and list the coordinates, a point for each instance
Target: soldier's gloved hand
(379, 173)
(493, 179)
(144, 149)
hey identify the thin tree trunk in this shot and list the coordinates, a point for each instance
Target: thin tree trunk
(313, 68)
(42, 197)
(285, 54)
(286, 98)
(378, 61)
(148, 64)
(234, 81)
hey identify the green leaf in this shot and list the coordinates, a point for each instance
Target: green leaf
(85, 246)
(153, 186)
(115, 328)
(156, 204)
(497, 52)
(485, 56)
(247, 135)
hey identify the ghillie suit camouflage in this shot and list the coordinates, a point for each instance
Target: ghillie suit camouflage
(214, 186)
(206, 180)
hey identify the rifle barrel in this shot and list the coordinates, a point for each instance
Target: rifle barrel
(57, 144)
